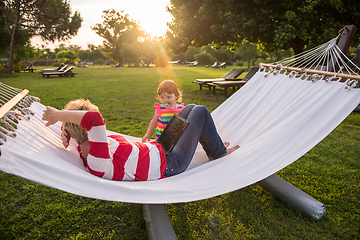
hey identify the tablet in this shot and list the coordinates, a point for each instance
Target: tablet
(172, 132)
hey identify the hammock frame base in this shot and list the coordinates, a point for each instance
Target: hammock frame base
(293, 196)
(159, 226)
(158, 223)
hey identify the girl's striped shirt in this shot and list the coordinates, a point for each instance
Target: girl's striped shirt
(165, 114)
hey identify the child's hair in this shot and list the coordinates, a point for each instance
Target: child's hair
(76, 131)
(169, 86)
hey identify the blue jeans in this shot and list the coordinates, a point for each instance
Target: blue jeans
(201, 129)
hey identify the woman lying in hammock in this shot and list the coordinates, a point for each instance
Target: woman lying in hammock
(114, 157)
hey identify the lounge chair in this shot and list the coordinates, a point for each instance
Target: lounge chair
(215, 65)
(62, 69)
(54, 69)
(116, 65)
(192, 64)
(222, 65)
(231, 75)
(235, 84)
(66, 72)
(29, 68)
(174, 62)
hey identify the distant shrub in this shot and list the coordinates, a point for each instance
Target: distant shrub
(204, 58)
(17, 68)
(99, 61)
(239, 63)
(109, 62)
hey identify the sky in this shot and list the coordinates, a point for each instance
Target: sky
(152, 15)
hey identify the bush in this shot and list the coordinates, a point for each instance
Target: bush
(109, 62)
(3, 67)
(239, 63)
(99, 61)
(23, 64)
(204, 58)
(68, 55)
(17, 68)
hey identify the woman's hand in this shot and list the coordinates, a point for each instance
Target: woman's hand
(65, 138)
(50, 115)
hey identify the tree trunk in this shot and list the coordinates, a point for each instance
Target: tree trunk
(13, 39)
(12, 53)
(297, 45)
(253, 63)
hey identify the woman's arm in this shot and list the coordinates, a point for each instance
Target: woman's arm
(52, 115)
(65, 138)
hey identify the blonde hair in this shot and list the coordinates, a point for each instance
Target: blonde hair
(76, 131)
(169, 86)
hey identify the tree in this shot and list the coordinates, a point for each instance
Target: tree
(221, 54)
(117, 29)
(50, 19)
(204, 58)
(247, 51)
(23, 40)
(131, 53)
(289, 23)
(67, 55)
(91, 54)
(23, 48)
(149, 49)
(190, 53)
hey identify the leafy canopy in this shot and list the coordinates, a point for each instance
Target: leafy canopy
(276, 25)
(117, 29)
(50, 19)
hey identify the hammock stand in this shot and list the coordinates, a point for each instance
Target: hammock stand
(157, 220)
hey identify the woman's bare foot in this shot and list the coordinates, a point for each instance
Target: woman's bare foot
(229, 150)
(232, 149)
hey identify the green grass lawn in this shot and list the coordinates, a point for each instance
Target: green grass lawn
(126, 96)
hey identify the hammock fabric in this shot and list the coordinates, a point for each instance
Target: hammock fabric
(276, 119)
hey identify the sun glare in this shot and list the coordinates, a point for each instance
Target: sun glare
(151, 15)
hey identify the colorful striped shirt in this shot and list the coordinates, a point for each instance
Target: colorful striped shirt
(114, 157)
(165, 114)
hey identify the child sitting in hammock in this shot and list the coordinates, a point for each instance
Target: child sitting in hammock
(114, 157)
(168, 94)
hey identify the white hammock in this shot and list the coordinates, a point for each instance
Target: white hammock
(276, 119)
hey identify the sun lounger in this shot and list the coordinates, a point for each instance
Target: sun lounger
(54, 69)
(235, 84)
(174, 62)
(29, 68)
(222, 65)
(215, 65)
(62, 69)
(231, 75)
(66, 73)
(116, 65)
(192, 64)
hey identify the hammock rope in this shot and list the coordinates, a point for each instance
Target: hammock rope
(321, 60)
(14, 105)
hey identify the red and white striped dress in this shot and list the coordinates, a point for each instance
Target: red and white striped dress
(114, 157)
